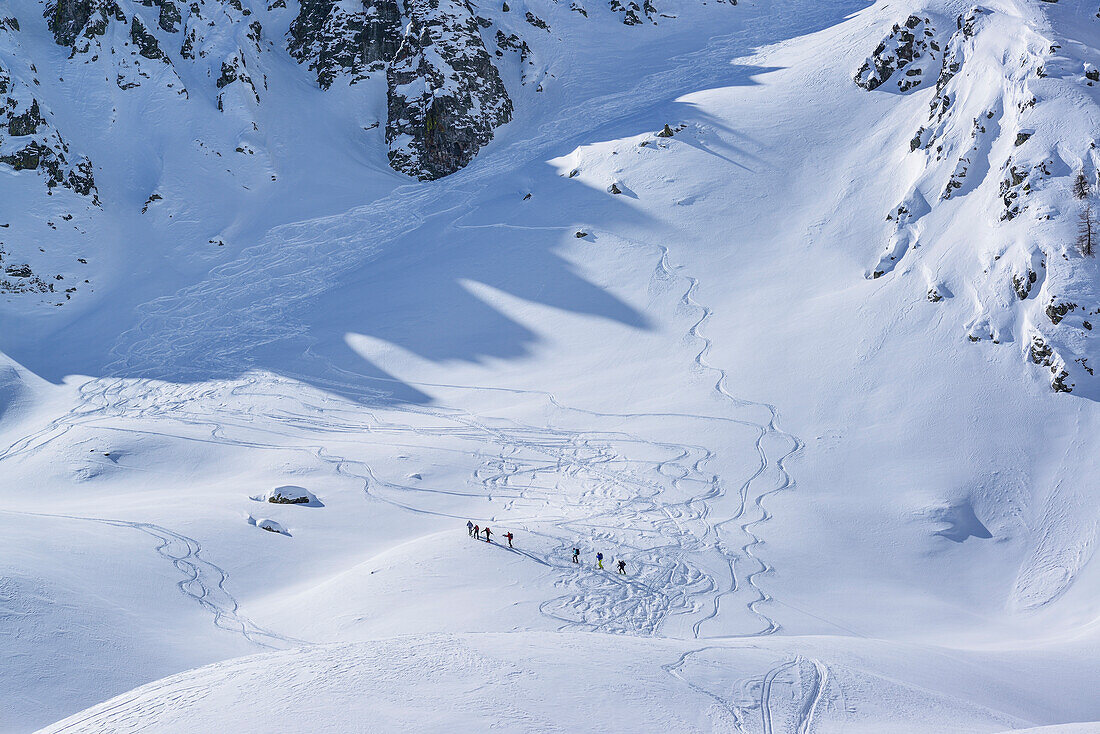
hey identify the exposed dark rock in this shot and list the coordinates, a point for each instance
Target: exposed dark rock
(907, 43)
(234, 70)
(536, 21)
(280, 500)
(1058, 381)
(513, 42)
(334, 41)
(81, 179)
(445, 95)
(35, 156)
(146, 42)
(1057, 311)
(169, 19)
(71, 20)
(1041, 354)
(952, 63)
(1022, 284)
(67, 19)
(1019, 181)
(26, 123)
(632, 12)
(152, 198)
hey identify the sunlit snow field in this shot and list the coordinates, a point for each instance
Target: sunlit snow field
(837, 513)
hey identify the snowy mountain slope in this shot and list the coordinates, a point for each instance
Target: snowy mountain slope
(520, 681)
(699, 375)
(1010, 133)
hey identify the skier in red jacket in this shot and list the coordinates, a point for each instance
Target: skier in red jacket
(488, 532)
(508, 535)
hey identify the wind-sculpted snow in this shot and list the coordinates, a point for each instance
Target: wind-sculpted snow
(517, 682)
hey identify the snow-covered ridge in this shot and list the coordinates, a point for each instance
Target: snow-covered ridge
(517, 682)
(1000, 175)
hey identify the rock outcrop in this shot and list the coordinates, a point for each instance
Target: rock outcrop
(987, 146)
(903, 57)
(28, 139)
(339, 38)
(445, 95)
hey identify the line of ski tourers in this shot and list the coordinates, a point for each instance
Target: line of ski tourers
(476, 532)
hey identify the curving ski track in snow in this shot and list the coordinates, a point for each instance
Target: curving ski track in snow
(771, 429)
(247, 303)
(624, 501)
(203, 582)
(788, 697)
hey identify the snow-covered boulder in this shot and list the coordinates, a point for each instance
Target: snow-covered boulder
(291, 495)
(269, 525)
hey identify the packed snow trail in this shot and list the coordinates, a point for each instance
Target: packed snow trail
(784, 700)
(808, 696)
(656, 510)
(771, 429)
(214, 328)
(204, 582)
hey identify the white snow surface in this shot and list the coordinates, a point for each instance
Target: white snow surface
(843, 506)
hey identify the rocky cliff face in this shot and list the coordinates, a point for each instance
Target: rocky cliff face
(337, 38)
(440, 59)
(29, 141)
(445, 95)
(34, 149)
